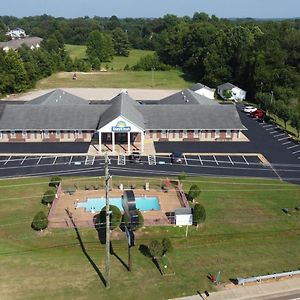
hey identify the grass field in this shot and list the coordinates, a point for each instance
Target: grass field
(117, 63)
(245, 234)
(117, 79)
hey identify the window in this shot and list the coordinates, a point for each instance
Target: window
(184, 133)
(1, 135)
(57, 133)
(12, 134)
(217, 133)
(46, 133)
(24, 134)
(79, 133)
(228, 133)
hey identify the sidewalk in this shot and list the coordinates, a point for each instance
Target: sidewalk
(258, 291)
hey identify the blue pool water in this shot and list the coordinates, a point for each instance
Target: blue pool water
(142, 203)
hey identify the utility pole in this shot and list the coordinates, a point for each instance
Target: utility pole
(107, 260)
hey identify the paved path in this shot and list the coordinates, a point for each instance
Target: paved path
(99, 93)
(283, 289)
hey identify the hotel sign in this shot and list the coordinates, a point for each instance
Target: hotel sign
(121, 127)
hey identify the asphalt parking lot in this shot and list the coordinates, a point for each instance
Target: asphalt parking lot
(216, 165)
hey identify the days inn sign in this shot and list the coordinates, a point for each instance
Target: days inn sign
(121, 127)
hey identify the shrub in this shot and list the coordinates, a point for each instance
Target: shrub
(126, 68)
(48, 197)
(140, 220)
(199, 214)
(150, 62)
(115, 217)
(194, 192)
(182, 176)
(39, 221)
(156, 249)
(166, 245)
(55, 181)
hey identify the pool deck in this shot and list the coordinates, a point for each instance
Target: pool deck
(168, 202)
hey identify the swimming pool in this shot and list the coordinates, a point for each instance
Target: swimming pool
(142, 203)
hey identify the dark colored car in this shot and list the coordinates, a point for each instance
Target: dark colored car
(176, 158)
(135, 157)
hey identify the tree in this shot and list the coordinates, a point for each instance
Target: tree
(295, 121)
(99, 45)
(55, 181)
(199, 214)
(283, 112)
(227, 94)
(194, 192)
(156, 249)
(115, 216)
(15, 68)
(166, 245)
(39, 221)
(120, 41)
(48, 197)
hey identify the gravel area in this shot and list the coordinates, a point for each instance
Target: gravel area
(99, 93)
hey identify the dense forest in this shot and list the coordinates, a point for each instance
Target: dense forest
(262, 57)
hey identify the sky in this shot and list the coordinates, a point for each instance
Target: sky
(152, 8)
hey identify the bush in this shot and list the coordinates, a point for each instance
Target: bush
(194, 192)
(166, 245)
(140, 220)
(115, 217)
(126, 68)
(156, 249)
(48, 197)
(182, 176)
(150, 62)
(55, 181)
(39, 221)
(199, 214)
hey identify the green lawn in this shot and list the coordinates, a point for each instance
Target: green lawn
(117, 79)
(117, 63)
(245, 234)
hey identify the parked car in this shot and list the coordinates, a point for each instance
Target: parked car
(176, 158)
(249, 109)
(258, 114)
(135, 157)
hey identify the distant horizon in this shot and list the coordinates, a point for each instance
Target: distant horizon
(223, 9)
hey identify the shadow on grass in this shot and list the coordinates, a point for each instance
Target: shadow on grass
(84, 250)
(146, 252)
(101, 230)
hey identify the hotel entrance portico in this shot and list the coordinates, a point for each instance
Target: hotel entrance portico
(123, 133)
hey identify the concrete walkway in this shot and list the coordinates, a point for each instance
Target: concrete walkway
(271, 290)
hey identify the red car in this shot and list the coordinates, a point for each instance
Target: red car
(258, 114)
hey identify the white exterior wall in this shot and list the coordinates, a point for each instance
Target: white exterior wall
(206, 93)
(181, 220)
(238, 94)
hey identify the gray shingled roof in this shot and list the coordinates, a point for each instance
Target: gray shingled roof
(195, 116)
(227, 86)
(58, 97)
(15, 44)
(188, 97)
(36, 117)
(199, 86)
(123, 105)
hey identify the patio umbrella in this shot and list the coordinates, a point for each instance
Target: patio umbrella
(167, 182)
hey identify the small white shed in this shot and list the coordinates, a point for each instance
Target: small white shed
(183, 216)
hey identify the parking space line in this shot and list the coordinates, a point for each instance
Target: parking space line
(265, 126)
(185, 159)
(201, 162)
(275, 131)
(54, 160)
(215, 160)
(230, 159)
(39, 160)
(246, 161)
(286, 143)
(70, 161)
(296, 151)
(23, 160)
(293, 147)
(270, 128)
(285, 138)
(7, 160)
(281, 134)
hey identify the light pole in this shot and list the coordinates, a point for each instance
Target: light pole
(272, 97)
(107, 259)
